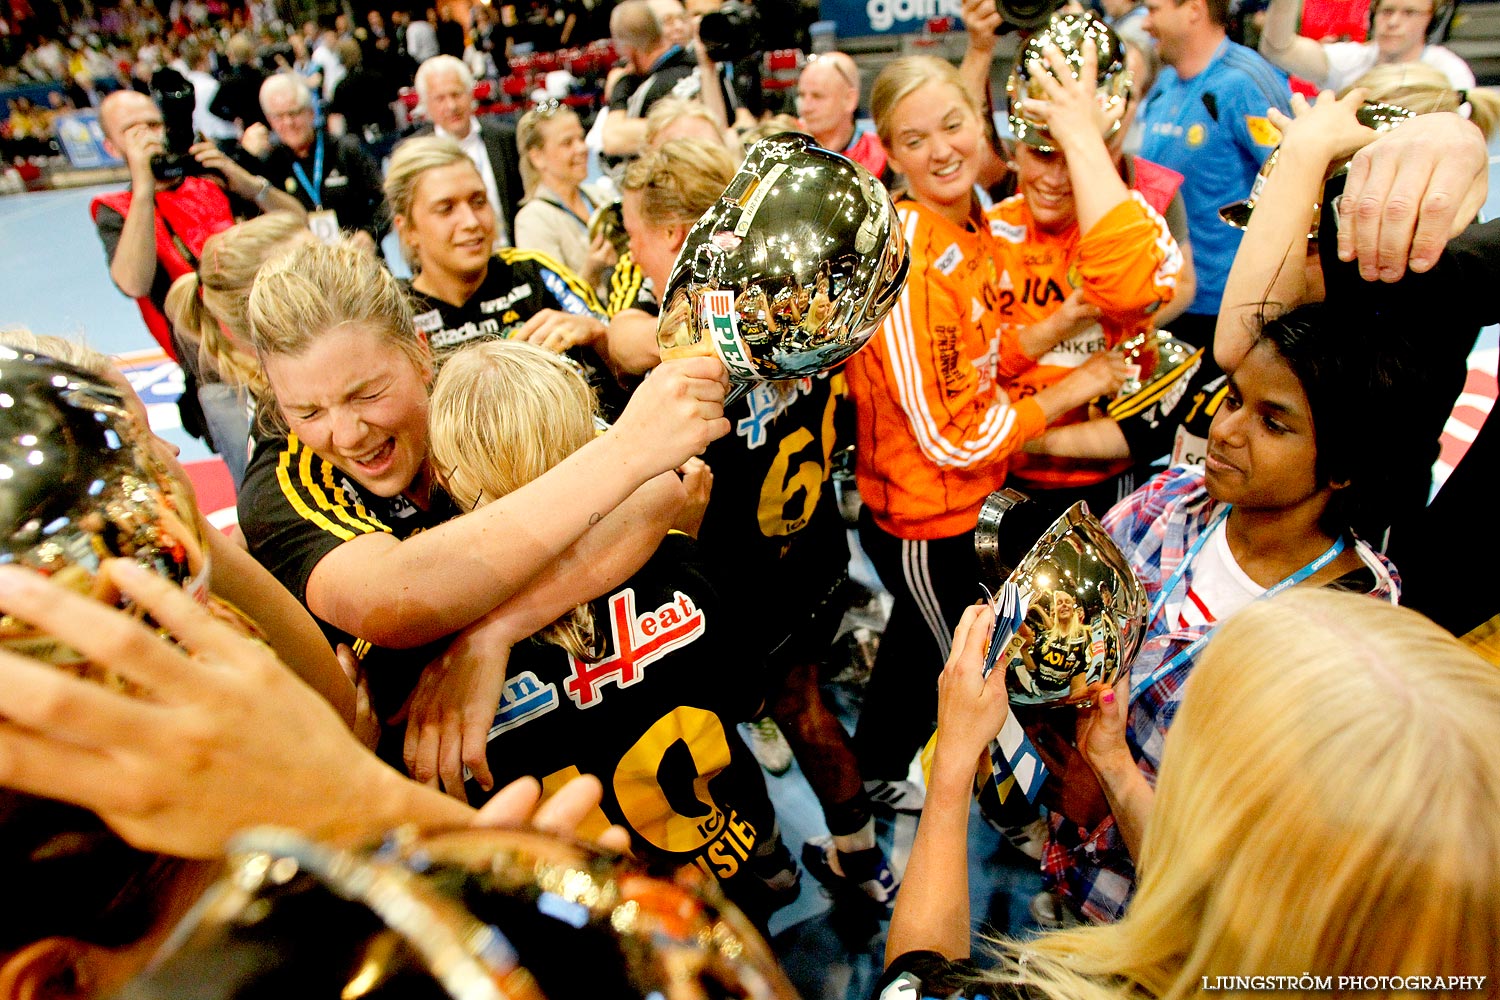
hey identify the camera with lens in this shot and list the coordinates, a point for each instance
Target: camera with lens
(1025, 15)
(174, 96)
(730, 33)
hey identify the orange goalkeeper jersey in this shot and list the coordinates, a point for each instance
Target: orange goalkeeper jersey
(1127, 265)
(936, 427)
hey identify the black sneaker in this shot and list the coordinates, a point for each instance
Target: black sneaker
(821, 857)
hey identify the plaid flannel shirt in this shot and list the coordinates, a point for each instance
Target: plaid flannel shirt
(1155, 528)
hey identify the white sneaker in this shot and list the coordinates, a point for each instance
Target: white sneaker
(895, 796)
(768, 744)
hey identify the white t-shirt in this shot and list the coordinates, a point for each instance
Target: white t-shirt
(1217, 587)
(1348, 61)
(327, 61)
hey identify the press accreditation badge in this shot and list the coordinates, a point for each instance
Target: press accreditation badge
(324, 224)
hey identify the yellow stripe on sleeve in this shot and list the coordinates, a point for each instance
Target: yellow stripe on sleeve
(343, 500)
(289, 490)
(314, 490)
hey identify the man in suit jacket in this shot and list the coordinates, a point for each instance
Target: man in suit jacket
(446, 88)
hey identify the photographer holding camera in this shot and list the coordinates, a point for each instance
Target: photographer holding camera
(657, 67)
(731, 34)
(180, 194)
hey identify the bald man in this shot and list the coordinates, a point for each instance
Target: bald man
(827, 99)
(153, 232)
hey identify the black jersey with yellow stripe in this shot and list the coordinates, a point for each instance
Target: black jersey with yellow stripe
(629, 288)
(773, 536)
(652, 714)
(1190, 446)
(295, 508)
(518, 285)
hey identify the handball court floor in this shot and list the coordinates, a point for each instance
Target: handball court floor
(56, 282)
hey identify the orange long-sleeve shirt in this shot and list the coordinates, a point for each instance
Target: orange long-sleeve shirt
(1127, 265)
(936, 426)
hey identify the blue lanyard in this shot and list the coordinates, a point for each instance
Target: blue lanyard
(315, 190)
(1159, 605)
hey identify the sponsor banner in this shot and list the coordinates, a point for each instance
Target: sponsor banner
(719, 323)
(82, 140)
(856, 18)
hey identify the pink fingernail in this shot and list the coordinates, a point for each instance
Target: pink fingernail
(1109, 698)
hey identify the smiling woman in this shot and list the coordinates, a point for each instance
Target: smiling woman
(462, 290)
(1298, 467)
(937, 428)
(555, 217)
(341, 505)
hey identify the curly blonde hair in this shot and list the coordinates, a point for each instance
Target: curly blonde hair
(680, 181)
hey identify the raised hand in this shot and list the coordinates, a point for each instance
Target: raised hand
(677, 411)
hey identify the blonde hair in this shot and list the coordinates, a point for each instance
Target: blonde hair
(503, 412)
(315, 288)
(348, 52)
(70, 352)
(680, 181)
(774, 125)
(1323, 808)
(208, 306)
(670, 110)
(903, 77)
(529, 136)
(1423, 90)
(412, 159)
(240, 48)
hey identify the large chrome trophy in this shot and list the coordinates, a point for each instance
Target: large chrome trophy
(472, 914)
(789, 273)
(1082, 611)
(1073, 34)
(81, 481)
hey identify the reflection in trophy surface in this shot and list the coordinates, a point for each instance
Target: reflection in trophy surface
(789, 273)
(1085, 614)
(1163, 367)
(470, 914)
(84, 481)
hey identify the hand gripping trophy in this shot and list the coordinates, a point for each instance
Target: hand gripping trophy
(790, 272)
